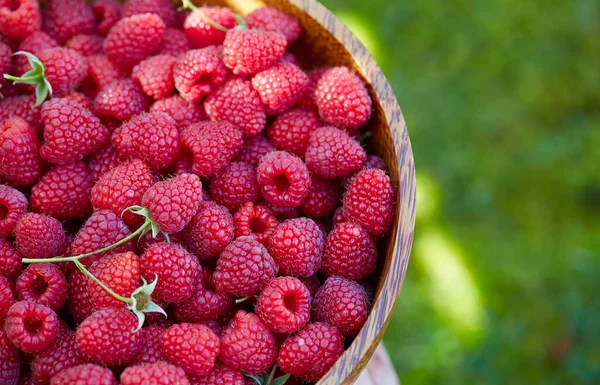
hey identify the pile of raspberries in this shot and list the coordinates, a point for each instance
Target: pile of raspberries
(180, 201)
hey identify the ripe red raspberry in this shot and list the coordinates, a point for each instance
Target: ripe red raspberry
(342, 98)
(102, 71)
(247, 344)
(13, 205)
(200, 33)
(341, 303)
(150, 349)
(71, 132)
(80, 99)
(155, 76)
(104, 160)
(10, 259)
(62, 355)
(86, 375)
(174, 43)
(31, 327)
(198, 73)
(122, 187)
(312, 352)
(39, 236)
(66, 18)
(107, 13)
(219, 375)
(248, 51)
(183, 112)
(204, 304)
(244, 267)
(235, 185)
(349, 252)
(284, 305)
(151, 137)
(19, 152)
(369, 201)
(192, 347)
(322, 199)
(120, 99)
(312, 283)
(255, 220)
(108, 336)
(280, 86)
(80, 300)
(9, 360)
(283, 179)
(22, 106)
(7, 299)
(19, 18)
(42, 283)
(86, 45)
(134, 38)
(332, 153)
(297, 246)
(211, 144)
(154, 374)
(272, 19)
(254, 149)
(120, 272)
(163, 8)
(239, 104)
(291, 130)
(210, 231)
(6, 64)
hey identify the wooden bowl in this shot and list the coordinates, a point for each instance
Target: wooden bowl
(327, 41)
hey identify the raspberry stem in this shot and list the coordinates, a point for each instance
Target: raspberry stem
(36, 77)
(91, 276)
(187, 4)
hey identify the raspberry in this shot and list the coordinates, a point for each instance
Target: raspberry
(283, 179)
(254, 149)
(62, 355)
(9, 360)
(13, 205)
(7, 299)
(80, 99)
(297, 246)
(39, 236)
(155, 76)
(120, 99)
(369, 201)
(211, 144)
(342, 98)
(148, 239)
(67, 18)
(108, 336)
(102, 71)
(204, 304)
(247, 344)
(322, 199)
(22, 106)
(174, 43)
(44, 284)
(244, 267)
(64, 192)
(87, 374)
(174, 202)
(349, 252)
(284, 305)
(5, 63)
(312, 352)
(197, 73)
(154, 374)
(120, 272)
(176, 269)
(255, 220)
(341, 303)
(280, 86)
(338, 216)
(31, 327)
(71, 132)
(122, 187)
(239, 104)
(235, 185)
(200, 33)
(134, 38)
(19, 18)
(248, 52)
(192, 347)
(80, 300)
(108, 13)
(312, 283)
(150, 350)
(332, 152)
(104, 160)
(272, 19)
(210, 231)
(151, 137)
(34, 43)
(219, 375)
(183, 112)
(10, 259)
(163, 8)
(291, 130)
(373, 161)
(86, 45)
(19, 147)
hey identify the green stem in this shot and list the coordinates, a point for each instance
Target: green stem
(272, 375)
(188, 4)
(87, 273)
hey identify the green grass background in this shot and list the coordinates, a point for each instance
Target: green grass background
(501, 99)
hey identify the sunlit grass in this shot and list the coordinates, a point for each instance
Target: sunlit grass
(362, 31)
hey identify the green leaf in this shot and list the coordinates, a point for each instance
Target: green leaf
(281, 380)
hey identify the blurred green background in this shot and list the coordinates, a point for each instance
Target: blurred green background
(502, 102)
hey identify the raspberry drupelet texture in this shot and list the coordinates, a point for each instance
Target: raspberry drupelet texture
(6, 64)
(198, 72)
(244, 267)
(19, 152)
(101, 71)
(341, 303)
(255, 220)
(85, 374)
(13, 205)
(253, 149)
(120, 99)
(200, 33)
(151, 137)
(19, 18)
(39, 236)
(163, 8)
(107, 13)
(280, 86)
(44, 284)
(108, 337)
(121, 273)
(81, 99)
(369, 201)
(322, 199)
(22, 106)
(284, 305)
(7, 298)
(150, 349)
(219, 375)
(283, 179)
(155, 76)
(235, 185)
(291, 130)
(62, 355)
(272, 19)
(10, 259)
(248, 51)
(239, 104)
(66, 18)
(192, 347)
(247, 344)
(134, 38)
(65, 69)
(312, 352)
(154, 374)
(34, 43)
(71, 132)
(9, 360)
(174, 43)
(86, 45)
(204, 304)
(332, 153)
(104, 160)
(209, 231)
(182, 111)
(350, 252)
(80, 300)
(31, 327)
